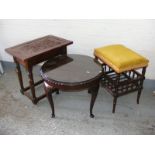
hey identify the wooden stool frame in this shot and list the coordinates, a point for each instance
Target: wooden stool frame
(119, 84)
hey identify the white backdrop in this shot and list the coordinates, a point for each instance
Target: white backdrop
(138, 35)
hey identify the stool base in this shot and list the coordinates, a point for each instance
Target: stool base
(119, 84)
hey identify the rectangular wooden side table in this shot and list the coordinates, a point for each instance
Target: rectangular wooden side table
(32, 53)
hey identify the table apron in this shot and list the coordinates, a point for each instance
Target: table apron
(46, 56)
(77, 87)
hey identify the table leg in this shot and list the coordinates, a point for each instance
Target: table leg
(94, 92)
(57, 91)
(19, 74)
(1, 69)
(50, 99)
(32, 86)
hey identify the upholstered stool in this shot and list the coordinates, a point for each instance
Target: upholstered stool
(124, 70)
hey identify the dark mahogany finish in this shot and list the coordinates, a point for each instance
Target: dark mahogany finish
(71, 73)
(119, 84)
(33, 52)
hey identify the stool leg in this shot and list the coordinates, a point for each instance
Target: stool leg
(116, 92)
(114, 104)
(138, 95)
(141, 84)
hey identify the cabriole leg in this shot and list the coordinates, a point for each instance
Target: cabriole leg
(50, 99)
(94, 92)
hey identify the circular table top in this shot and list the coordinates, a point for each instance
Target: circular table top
(71, 69)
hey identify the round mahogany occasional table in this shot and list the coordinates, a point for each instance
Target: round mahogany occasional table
(71, 73)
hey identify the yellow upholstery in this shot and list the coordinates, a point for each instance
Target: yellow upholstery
(120, 58)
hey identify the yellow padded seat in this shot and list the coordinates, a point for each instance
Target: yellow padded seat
(120, 58)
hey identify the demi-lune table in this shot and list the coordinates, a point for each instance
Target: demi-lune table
(34, 52)
(71, 73)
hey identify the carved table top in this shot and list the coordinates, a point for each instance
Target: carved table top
(36, 47)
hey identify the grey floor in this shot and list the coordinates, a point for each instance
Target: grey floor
(19, 116)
